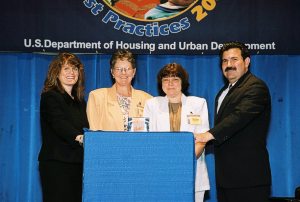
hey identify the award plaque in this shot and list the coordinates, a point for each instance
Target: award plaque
(138, 124)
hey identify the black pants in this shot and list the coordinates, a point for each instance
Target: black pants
(247, 194)
(61, 181)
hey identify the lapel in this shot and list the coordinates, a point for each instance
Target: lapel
(136, 105)
(164, 117)
(217, 98)
(231, 94)
(185, 110)
(113, 106)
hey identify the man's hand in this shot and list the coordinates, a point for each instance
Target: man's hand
(203, 137)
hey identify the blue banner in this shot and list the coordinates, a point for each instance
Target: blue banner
(149, 26)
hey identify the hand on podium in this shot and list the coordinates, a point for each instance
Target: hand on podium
(203, 137)
(79, 138)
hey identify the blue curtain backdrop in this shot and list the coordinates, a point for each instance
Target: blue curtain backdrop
(21, 80)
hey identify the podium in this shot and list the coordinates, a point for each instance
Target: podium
(138, 166)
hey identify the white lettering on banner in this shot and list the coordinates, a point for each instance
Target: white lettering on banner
(255, 46)
(47, 43)
(215, 46)
(151, 47)
(167, 46)
(38, 43)
(58, 45)
(270, 46)
(136, 46)
(192, 46)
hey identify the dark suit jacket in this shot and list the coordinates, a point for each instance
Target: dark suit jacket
(240, 130)
(62, 119)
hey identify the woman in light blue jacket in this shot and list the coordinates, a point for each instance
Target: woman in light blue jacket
(177, 112)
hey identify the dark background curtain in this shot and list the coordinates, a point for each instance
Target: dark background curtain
(21, 80)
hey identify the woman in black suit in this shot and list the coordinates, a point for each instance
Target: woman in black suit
(62, 117)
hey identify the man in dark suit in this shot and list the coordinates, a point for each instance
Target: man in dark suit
(242, 116)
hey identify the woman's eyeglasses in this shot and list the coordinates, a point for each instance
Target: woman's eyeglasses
(125, 69)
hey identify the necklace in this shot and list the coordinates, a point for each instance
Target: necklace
(124, 103)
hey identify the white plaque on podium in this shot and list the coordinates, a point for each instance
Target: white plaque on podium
(138, 124)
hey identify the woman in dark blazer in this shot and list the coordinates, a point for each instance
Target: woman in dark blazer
(62, 117)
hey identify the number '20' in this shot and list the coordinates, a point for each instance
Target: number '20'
(200, 10)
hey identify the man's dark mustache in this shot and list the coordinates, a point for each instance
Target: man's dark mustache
(229, 68)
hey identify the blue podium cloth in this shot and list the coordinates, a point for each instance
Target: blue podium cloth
(138, 166)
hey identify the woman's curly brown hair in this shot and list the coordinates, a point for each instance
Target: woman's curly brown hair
(52, 80)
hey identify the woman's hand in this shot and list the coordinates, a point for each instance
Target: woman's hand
(79, 138)
(199, 148)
